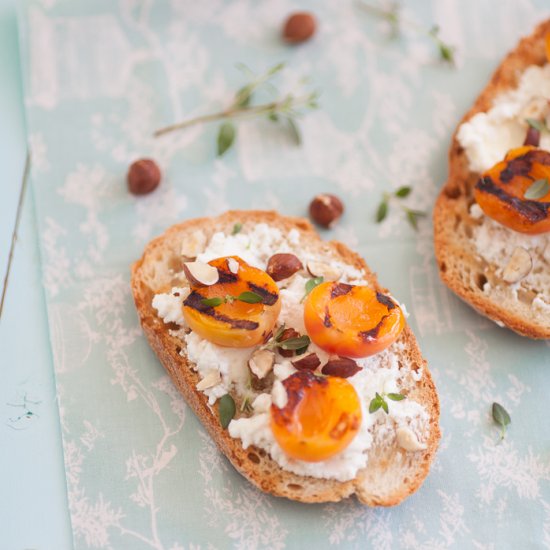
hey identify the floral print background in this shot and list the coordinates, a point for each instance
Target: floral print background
(100, 77)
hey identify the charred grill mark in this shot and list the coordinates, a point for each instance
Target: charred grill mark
(327, 322)
(385, 300)
(533, 211)
(226, 277)
(268, 298)
(372, 334)
(521, 166)
(194, 301)
(339, 289)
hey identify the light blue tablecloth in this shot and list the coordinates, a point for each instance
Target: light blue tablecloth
(99, 78)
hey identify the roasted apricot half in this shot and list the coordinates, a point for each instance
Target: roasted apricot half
(320, 419)
(351, 320)
(217, 314)
(504, 191)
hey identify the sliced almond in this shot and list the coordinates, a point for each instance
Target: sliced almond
(194, 244)
(279, 395)
(261, 362)
(519, 266)
(322, 269)
(233, 265)
(198, 273)
(212, 379)
(407, 440)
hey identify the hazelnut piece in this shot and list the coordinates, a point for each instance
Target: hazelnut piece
(283, 266)
(325, 209)
(143, 176)
(200, 274)
(261, 362)
(343, 367)
(299, 27)
(309, 362)
(519, 266)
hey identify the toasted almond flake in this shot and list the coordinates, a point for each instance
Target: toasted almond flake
(199, 273)
(212, 379)
(261, 362)
(325, 270)
(233, 265)
(518, 267)
(407, 440)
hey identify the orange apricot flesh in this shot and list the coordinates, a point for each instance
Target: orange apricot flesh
(320, 419)
(234, 323)
(500, 192)
(351, 320)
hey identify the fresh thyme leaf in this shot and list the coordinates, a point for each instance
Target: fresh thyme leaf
(537, 189)
(249, 297)
(403, 192)
(279, 333)
(301, 350)
(537, 125)
(384, 405)
(226, 137)
(295, 343)
(382, 211)
(395, 396)
(446, 52)
(237, 228)
(294, 131)
(274, 117)
(312, 283)
(212, 302)
(501, 417)
(226, 410)
(243, 96)
(375, 404)
(412, 217)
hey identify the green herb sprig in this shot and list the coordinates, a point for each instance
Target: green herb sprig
(237, 228)
(247, 297)
(226, 410)
(537, 190)
(298, 344)
(384, 206)
(379, 401)
(393, 16)
(283, 110)
(501, 418)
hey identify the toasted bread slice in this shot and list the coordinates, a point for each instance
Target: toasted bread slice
(461, 268)
(391, 475)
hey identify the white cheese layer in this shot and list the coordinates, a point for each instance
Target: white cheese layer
(488, 136)
(496, 243)
(381, 373)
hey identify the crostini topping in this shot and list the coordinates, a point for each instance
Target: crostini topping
(309, 362)
(323, 270)
(237, 311)
(351, 320)
(344, 367)
(282, 266)
(511, 194)
(200, 274)
(518, 267)
(320, 418)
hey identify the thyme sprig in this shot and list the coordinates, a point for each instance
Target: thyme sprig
(247, 297)
(392, 14)
(379, 401)
(283, 110)
(401, 193)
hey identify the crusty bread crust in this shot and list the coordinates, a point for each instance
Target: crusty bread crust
(459, 267)
(391, 475)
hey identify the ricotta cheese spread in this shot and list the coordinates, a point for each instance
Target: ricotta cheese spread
(382, 373)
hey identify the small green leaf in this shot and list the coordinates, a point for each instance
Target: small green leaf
(395, 396)
(537, 125)
(384, 405)
(274, 117)
(375, 404)
(301, 350)
(294, 131)
(237, 228)
(295, 343)
(537, 189)
(279, 333)
(446, 52)
(501, 417)
(243, 96)
(226, 410)
(212, 302)
(382, 211)
(312, 283)
(403, 192)
(226, 137)
(249, 297)
(412, 217)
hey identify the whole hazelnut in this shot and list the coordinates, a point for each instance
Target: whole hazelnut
(326, 209)
(282, 266)
(143, 176)
(299, 27)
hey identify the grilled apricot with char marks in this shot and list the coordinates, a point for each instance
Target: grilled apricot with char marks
(321, 417)
(352, 320)
(239, 310)
(502, 192)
